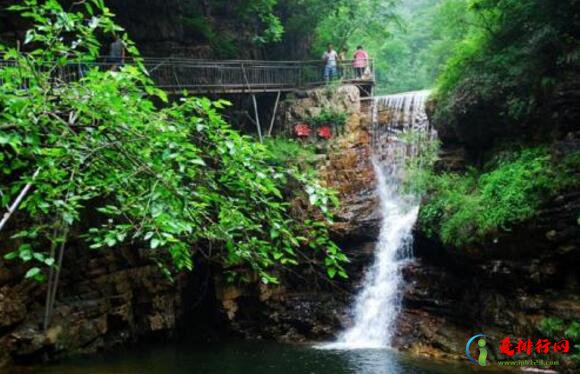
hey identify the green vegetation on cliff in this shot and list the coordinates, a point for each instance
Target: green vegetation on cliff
(507, 67)
(108, 165)
(500, 86)
(262, 25)
(466, 208)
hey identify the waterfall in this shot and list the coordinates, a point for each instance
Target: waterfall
(400, 126)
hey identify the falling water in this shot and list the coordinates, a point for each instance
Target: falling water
(400, 127)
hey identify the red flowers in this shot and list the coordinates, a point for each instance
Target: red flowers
(324, 132)
(302, 130)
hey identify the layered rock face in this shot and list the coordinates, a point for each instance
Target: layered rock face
(104, 300)
(308, 306)
(508, 285)
(301, 106)
(504, 288)
(165, 28)
(347, 167)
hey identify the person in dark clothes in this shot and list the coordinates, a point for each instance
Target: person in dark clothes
(117, 53)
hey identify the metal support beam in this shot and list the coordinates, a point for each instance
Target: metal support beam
(256, 113)
(250, 119)
(274, 114)
(12, 208)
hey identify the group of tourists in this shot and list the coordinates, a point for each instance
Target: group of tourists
(331, 59)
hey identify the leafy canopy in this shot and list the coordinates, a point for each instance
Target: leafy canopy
(115, 169)
(511, 58)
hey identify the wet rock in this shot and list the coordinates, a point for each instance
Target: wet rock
(26, 341)
(12, 308)
(551, 235)
(303, 106)
(502, 288)
(291, 316)
(349, 171)
(102, 302)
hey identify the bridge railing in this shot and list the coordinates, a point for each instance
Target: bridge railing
(226, 76)
(250, 75)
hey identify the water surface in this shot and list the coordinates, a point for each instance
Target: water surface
(247, 357)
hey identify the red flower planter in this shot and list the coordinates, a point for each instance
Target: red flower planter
(302, 130)
(325, 132)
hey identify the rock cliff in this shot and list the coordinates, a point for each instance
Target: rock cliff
(104, 300)
(503, 288)
(307, 306)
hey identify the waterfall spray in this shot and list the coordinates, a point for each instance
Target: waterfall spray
(377, 305)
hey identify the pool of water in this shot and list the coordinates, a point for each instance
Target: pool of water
(244, 358)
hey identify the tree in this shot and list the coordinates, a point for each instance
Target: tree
(174, 179)
(350, 21)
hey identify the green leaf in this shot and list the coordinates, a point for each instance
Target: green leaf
(32, 273)
(29, 36)
(331, 272)
(11, 255)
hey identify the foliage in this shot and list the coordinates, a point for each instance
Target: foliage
(176, 180)
(573, 331)
(347, 22)
(409, 41)
(419, 168)
(511, 58)
(257, 15)
(554, 326)
(269, 28)
(329, 117)
(551, 326)
(311, 24)
(290, 152)
(414, 55)
(467, 208)
(196, 23)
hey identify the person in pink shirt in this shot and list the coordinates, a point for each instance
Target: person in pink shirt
(361, 61)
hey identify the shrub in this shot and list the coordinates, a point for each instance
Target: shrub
(464, 208)
(290, 152)
(331, 117)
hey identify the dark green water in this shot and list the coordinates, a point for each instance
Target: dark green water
(246, 357)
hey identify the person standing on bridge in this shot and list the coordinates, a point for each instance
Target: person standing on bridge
(361, 62)
(116, 53)
(330, 58)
